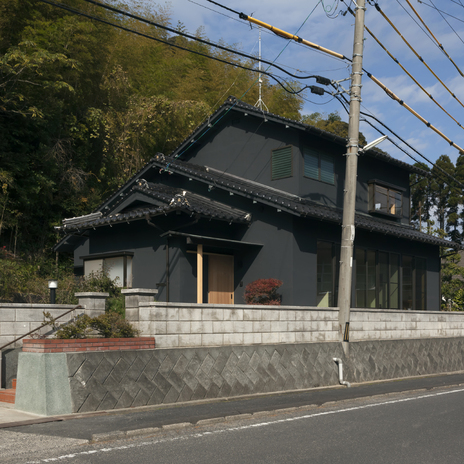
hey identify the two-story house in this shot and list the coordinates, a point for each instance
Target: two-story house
(252, 195)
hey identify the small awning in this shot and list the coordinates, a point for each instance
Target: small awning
(212, 241)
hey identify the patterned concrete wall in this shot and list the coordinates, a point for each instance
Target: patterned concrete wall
(115, 380)
(191, 325)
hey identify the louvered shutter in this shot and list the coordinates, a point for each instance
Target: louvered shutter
(281, 163)
(327, 168)
(311, 164)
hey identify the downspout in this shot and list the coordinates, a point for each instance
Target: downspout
(340, 373)
(167, 270)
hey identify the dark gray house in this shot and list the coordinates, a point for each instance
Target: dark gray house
(252, 195)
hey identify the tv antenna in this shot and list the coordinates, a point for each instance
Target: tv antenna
(260, 104)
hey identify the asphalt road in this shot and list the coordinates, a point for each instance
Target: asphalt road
(415, 420)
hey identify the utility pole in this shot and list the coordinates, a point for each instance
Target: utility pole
(349, 193)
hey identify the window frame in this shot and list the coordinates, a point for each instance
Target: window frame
(311, 152)
(387, 284)
(127, 256)
(390, 188)
(335, 271)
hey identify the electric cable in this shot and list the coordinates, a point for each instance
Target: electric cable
(441, 12)
(319, 79)
(403, 141)
(390, 93)
(436, 40)
(408, 73)
(377, 7)
(191, 37)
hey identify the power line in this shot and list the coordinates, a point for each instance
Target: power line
(408, 73)
(436, 40)
(377, 7)
(95, 18)
(191, 37)
(444, 12)
(344, 102)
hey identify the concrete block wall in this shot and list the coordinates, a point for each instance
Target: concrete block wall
(374, 324)
(188, 325)
(16, 319)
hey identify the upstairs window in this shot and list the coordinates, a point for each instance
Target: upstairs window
(281, 163)
(319, 166)
(385, 199)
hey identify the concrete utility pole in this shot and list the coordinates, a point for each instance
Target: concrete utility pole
(349, 196)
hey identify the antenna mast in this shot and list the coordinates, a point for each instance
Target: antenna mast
(260, 104)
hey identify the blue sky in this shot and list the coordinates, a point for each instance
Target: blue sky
(323, 23)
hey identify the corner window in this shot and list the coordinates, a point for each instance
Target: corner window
(116, 267)
(319, 166)
(385, 199)
(281, 163)
(380, 278)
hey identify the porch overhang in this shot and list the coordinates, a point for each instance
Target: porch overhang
(193, 239)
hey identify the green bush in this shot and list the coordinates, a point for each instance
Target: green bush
(112, 325)
(25, 280)
(108, 325)
(79, 328)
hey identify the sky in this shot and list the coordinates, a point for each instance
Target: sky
(324, 23)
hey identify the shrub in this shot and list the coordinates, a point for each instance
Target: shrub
(79, 328)
(113, 325)
(108, 325)
(25, 280)
(263, 292)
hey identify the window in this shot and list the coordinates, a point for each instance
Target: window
(378, 283)
(385, 199)
(281, 163)
(117, 266)
(327, 274)
(319, 166)
(414, 283)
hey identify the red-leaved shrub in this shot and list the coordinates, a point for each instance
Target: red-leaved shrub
(263, 292)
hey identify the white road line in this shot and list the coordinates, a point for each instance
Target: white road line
(242, 427)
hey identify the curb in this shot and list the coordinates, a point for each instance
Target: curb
(149, 431)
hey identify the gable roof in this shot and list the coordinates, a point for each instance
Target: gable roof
(168, 199)
(232, 103)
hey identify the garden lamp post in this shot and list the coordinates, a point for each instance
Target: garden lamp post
(52, 285)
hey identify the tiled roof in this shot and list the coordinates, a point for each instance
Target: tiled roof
(287, 202)
(233, 103)
(170, 199)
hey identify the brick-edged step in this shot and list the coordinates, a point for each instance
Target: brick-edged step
(8, 395)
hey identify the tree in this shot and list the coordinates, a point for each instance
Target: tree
(422, 200)
(333, 124)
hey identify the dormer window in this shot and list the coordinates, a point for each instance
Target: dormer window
(385, 199)
(319, 166)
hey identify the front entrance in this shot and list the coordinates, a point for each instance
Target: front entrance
(220, 279)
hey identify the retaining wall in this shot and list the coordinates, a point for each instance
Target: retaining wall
(61, 383)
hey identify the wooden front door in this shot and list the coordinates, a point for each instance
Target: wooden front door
(220, 279)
